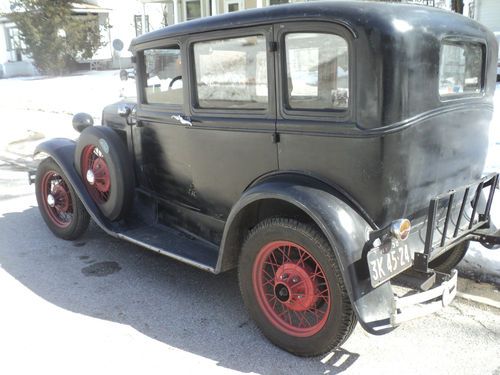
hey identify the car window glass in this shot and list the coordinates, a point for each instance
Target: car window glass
(232, 73)
(163, 76)
(317, 71)
(460, 69)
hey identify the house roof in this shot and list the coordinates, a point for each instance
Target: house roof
(84, 7)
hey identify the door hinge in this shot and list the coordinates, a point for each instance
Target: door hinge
(273, 46)
(276, 137)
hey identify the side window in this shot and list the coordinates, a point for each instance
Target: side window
(317, 71)
(460, 69)
(163, 76)
(232, 73)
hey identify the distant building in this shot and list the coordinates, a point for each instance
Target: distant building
(129, 18)
(12, 60)
(487, 12)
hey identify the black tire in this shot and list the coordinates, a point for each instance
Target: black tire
(449, 260)
(340, 320)
(70, 223)
(114, 202)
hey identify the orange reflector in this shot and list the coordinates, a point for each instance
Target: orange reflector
(401, 229)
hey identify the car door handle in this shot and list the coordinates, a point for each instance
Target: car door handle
(182, 120)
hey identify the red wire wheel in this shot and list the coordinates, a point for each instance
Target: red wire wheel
(60, 207)
(291, 288)
(96, 175)
(56, 199)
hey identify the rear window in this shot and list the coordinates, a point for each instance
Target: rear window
(460, 69)
(317, 67)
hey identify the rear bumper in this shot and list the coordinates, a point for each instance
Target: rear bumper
(461, 214)
(424, 303)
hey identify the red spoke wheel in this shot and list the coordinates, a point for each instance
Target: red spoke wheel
(61, 209)
(103, 161)
(57, 202)
(292, 287)
(96, 174)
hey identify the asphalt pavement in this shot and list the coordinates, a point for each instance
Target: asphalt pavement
(101, 305)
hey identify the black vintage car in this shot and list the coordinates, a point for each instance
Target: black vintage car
(328, 150)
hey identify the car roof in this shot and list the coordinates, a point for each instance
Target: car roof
(352, 14)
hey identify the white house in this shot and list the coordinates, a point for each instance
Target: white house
(487, 12)
(12, 61)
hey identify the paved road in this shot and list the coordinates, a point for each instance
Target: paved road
(99, 305)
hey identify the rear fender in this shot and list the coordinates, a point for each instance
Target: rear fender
(62, 150)
(347, 232)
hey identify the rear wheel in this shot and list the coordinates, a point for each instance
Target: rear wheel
(292, 287)
(449, 260)
(61, 209)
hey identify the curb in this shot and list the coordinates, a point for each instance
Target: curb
(482, 293)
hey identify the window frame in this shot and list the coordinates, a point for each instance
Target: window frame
(144, 28)
(337, 115)
(269, 110)
(142, 83)
(461, 96)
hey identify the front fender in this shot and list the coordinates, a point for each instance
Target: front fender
(62, 150)
(347, 233)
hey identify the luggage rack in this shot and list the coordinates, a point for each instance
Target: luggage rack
(473, 231)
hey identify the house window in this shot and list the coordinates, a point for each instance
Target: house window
(14, 44)
(193, 9)
(277, 2)
(233, 6)
(139, 27)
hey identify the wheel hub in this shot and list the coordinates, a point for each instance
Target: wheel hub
(282, 293)
(294, 287)
(51, 201)
(101, 176)
(90, 177)
(96, 173)
(60, 197)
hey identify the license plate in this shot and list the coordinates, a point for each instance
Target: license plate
(387, 260)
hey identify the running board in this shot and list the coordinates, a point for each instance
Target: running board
(174, 244)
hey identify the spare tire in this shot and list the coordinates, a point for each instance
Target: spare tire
(104, 164)
(449, 260)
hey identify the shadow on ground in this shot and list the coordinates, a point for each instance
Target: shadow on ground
(166, 300)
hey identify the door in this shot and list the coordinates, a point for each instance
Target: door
(206, 124)
(317, 129)
(233, 114)
(161, 149)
